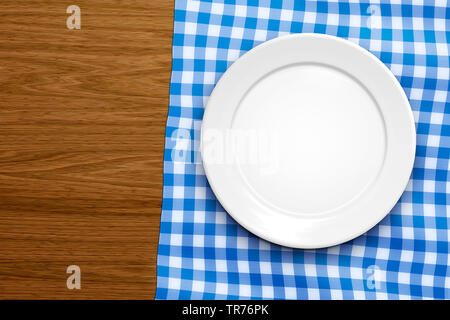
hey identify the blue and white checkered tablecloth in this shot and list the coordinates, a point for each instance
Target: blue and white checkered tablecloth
(204, 254)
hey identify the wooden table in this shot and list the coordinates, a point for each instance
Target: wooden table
(82, 121)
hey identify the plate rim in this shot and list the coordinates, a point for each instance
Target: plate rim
(360, 231)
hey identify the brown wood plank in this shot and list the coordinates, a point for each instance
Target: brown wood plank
(82, 121)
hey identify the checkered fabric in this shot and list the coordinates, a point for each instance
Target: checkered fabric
(204, 254)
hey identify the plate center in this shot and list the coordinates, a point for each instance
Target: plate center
(310, 139)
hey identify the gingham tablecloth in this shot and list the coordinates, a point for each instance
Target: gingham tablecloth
(204, 254)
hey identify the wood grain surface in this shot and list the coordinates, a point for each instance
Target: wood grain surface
(82, 121)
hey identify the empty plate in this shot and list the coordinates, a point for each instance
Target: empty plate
(308, 140)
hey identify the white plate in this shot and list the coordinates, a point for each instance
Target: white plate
(308, 140)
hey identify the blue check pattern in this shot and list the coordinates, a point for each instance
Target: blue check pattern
(204, 254)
